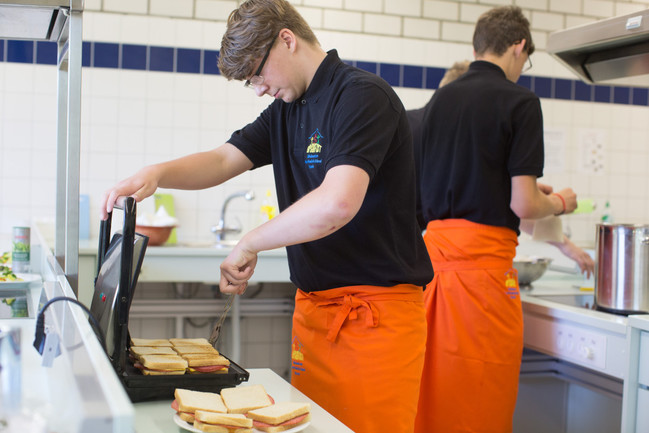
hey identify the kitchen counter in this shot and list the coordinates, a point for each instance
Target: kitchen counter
(157, 416)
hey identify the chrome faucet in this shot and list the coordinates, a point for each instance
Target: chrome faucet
(221, 229)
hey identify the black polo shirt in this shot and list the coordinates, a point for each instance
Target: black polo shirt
(346, 117)
(416, 120)
(478, 132)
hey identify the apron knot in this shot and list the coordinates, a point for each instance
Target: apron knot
(349, 306)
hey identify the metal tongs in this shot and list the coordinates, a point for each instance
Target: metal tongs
(216, 331)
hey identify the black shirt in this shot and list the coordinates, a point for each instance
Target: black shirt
(346, 117)
(416, 120)
(478, 132)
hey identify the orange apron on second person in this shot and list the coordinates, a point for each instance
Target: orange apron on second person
(475, 330)
(358, 352)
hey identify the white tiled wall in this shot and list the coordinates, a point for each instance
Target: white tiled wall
(132, 118)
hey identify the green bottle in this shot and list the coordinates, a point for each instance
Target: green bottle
(607, 217)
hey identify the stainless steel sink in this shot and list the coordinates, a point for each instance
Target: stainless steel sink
(226, 243)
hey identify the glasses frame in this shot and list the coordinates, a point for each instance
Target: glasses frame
(257, 79)
(529, 58)
(528, 66)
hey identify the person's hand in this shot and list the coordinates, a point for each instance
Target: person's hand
(139, 186)
(583, 259)
(237, 269)
(569, 199)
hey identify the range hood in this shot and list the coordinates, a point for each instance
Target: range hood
(610, 51)
(39, 20)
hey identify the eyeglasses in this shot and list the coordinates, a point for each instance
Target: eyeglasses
(528, 66)
(256, 79)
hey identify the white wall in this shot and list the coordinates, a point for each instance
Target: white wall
(131, 118)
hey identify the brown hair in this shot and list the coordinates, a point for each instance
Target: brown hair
(454, 72)
(499, 28)
(250, 30)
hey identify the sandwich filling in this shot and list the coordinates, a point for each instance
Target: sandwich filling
(291, 422)
(280, 416)
(205, 421)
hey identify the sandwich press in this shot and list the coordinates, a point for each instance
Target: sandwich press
(118, 266)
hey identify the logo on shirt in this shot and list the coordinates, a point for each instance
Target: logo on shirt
(313, 149)
(297, 357)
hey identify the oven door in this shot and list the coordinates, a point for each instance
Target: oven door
(561, 397)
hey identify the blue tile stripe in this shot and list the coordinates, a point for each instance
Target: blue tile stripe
(196, 61)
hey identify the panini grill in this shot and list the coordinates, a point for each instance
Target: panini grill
(118, 266)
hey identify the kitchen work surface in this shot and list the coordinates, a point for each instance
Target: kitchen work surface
(157, 416)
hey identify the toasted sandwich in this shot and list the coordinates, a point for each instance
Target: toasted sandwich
(280, 416)
(222, 422)
(161, 364)
(195, 348)
(187, 402)
(150, 342)
(190, 341)
(136, 351)
(206, 363)
(245, 398)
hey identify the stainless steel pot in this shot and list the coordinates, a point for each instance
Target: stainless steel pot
(622, 274)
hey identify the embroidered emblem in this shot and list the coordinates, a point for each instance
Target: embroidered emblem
(511, 283)
(297, 357)
(313, 149)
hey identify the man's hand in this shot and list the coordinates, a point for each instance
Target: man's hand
(237, 269)
(139, 186)
(569, 199)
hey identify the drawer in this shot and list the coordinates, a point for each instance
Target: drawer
(643, 362)
(642, 414)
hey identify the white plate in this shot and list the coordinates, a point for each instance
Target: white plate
(187, 426)
(27, 279)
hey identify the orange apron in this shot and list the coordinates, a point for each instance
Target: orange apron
(475, 330)
(358, 352)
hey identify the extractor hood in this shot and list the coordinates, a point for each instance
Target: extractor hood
(610, 51)
(39, 20)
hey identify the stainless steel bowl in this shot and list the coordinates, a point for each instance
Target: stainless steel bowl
(530, 270)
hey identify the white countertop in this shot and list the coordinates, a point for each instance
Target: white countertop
(157, 416)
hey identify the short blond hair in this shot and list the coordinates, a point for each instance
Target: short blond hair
(454, 72)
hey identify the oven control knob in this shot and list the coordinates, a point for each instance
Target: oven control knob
(587, 352)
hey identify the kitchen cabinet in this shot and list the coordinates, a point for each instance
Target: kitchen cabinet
(58, 21)
(574, 367)
(635, 408)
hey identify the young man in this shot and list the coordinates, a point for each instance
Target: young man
(340, 146)
(416, 119)
(482, 151)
